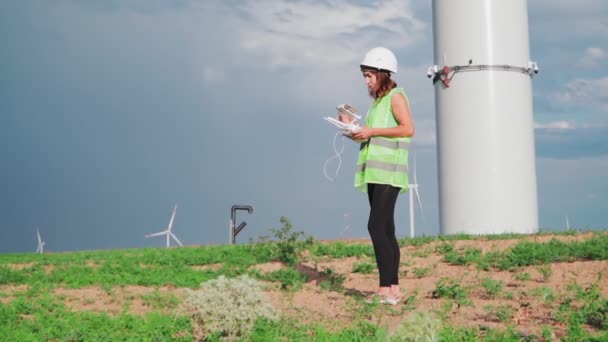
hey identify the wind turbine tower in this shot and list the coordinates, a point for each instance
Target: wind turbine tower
(346, 223)
(483, 99)
(40, 248)
(167, 232)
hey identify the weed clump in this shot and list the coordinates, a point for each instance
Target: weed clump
(418, 327)
(364, 266)
(227, 308)
(449, 288)
(289, 243)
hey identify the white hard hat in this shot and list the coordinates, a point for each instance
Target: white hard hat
(380, 58)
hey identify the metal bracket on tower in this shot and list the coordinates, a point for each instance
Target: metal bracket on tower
(234, 231)
(446, 73)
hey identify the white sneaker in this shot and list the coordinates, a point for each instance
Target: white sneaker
(382, 299)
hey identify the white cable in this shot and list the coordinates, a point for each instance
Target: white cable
(337, 155)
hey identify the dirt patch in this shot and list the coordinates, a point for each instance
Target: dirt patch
(10, 289)
(89, 299)
(312, 304)
(145, 266)
(113, 301)
(341, 266)
(23, 266)
(7, 292)
(213, 267)
(561, 275)
(92, 264)
(18, 267)
(268, 267)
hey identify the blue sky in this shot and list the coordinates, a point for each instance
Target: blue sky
(113, 111)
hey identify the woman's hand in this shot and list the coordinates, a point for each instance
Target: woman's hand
(363, 134)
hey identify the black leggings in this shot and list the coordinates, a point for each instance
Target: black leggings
(381, 227)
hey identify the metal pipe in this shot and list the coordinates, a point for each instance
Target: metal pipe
(235, 231)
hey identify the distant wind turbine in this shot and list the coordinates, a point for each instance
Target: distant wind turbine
(40, 248)
(413, 190)
(168, 231)
(346, 223)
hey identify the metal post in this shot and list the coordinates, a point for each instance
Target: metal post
(235, 231)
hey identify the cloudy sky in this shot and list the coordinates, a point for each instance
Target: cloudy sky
(112, 112)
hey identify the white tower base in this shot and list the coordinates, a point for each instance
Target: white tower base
(486, 156)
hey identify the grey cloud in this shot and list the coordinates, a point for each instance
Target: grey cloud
(300, 33)
(135, 6)
(583, 93)
(593, 58)
(576, 20)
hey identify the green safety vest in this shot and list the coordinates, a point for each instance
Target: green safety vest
(383, 160)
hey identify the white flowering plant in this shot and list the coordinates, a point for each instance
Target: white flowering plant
(227, 307)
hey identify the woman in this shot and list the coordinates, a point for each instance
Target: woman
(382, 164)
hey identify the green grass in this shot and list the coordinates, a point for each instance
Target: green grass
(46, 319)
(34, 314)
(339, 250)
(527, 253)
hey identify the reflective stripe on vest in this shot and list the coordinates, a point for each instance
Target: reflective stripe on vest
(374, 164)
(392, 144)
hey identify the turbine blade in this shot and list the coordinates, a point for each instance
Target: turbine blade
(419, 203)
(176, 239)
(157, 234)
(414, 165)
(172, 218)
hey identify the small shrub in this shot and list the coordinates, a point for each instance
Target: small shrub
(595, 313)
(289, 277)
(227, 307)
(445, 247)
(448, 288)
(420, 326)
(421, 272)
(548, 333)
(422, 253)
(545, 293)
(465, 257)
(417, 241)
(522, 276)
(502, 313)
(160, 300)
(411, 301)
(545, 271)
(334, 279)
(289, 244)
(340, 250)
(492, 287)
(363, 267)
(564, 310)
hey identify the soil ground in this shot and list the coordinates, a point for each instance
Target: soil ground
(528, 299)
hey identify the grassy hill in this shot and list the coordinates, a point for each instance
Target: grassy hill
(541, 287)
